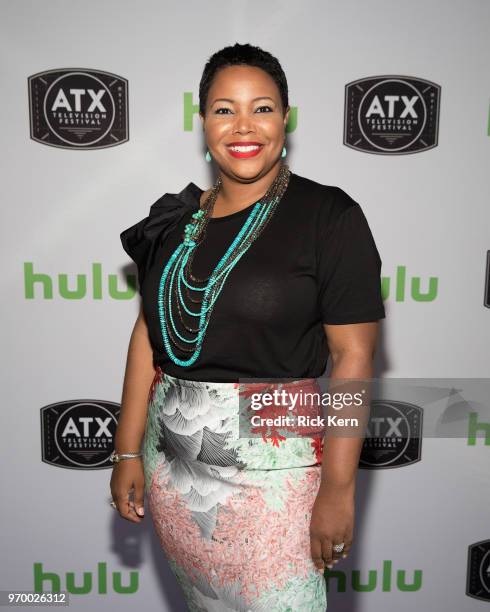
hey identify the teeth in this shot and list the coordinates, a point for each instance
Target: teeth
(244, 149)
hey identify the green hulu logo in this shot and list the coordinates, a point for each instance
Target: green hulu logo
(89, 582)
(400, 287)
(191, 109)
(474, 426)
(385, 580)
(80, 287)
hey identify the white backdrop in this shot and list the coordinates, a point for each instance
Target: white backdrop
(63, 210)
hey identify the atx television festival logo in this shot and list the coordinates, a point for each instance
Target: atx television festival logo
(478, 573)
(77, 108)
(79, 434)
(391, 115)
(393, 435)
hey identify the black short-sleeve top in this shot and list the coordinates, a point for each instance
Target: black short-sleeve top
(315, 262)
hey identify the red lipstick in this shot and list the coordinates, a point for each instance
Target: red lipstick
(244, 149)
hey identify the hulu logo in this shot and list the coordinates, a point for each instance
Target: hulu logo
(191, 109)
(88, 583)
(82, 286)
(401, 283)
(384, 579)
(474, 426)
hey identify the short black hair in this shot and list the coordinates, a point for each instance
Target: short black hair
(239, 54)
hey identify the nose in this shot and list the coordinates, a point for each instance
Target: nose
(243, 123)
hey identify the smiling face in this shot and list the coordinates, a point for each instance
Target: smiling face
(244, 124)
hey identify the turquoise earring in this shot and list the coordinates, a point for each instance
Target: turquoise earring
(283, 154)
(208, 156)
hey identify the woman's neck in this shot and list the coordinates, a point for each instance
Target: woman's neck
(234, 195)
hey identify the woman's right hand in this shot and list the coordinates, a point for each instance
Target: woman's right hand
(127, 488)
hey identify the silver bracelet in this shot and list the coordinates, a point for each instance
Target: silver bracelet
(117, 457)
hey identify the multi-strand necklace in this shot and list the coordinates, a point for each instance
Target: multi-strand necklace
(177, 279)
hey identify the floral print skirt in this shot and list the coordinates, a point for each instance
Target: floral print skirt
(232, 513)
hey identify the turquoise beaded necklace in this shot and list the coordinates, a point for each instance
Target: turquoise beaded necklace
(177, 278)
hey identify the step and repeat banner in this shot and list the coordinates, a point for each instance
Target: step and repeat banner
(389, 101)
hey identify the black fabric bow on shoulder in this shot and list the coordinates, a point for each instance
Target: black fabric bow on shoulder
(142, 240)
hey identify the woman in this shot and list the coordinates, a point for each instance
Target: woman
(260, 276)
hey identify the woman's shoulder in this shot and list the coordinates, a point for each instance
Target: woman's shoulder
(322, 198)
(163, 216)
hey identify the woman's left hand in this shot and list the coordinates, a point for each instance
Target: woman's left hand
(332, 522)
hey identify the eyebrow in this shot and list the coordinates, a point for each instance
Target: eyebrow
(230, 100)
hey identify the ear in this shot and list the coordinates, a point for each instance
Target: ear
(286, 116)
(202, 120)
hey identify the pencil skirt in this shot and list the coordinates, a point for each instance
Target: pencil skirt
(232, 513)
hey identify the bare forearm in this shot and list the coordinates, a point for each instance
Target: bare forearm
(341, 454)
(137, 380)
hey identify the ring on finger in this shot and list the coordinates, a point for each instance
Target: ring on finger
(338, 548)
